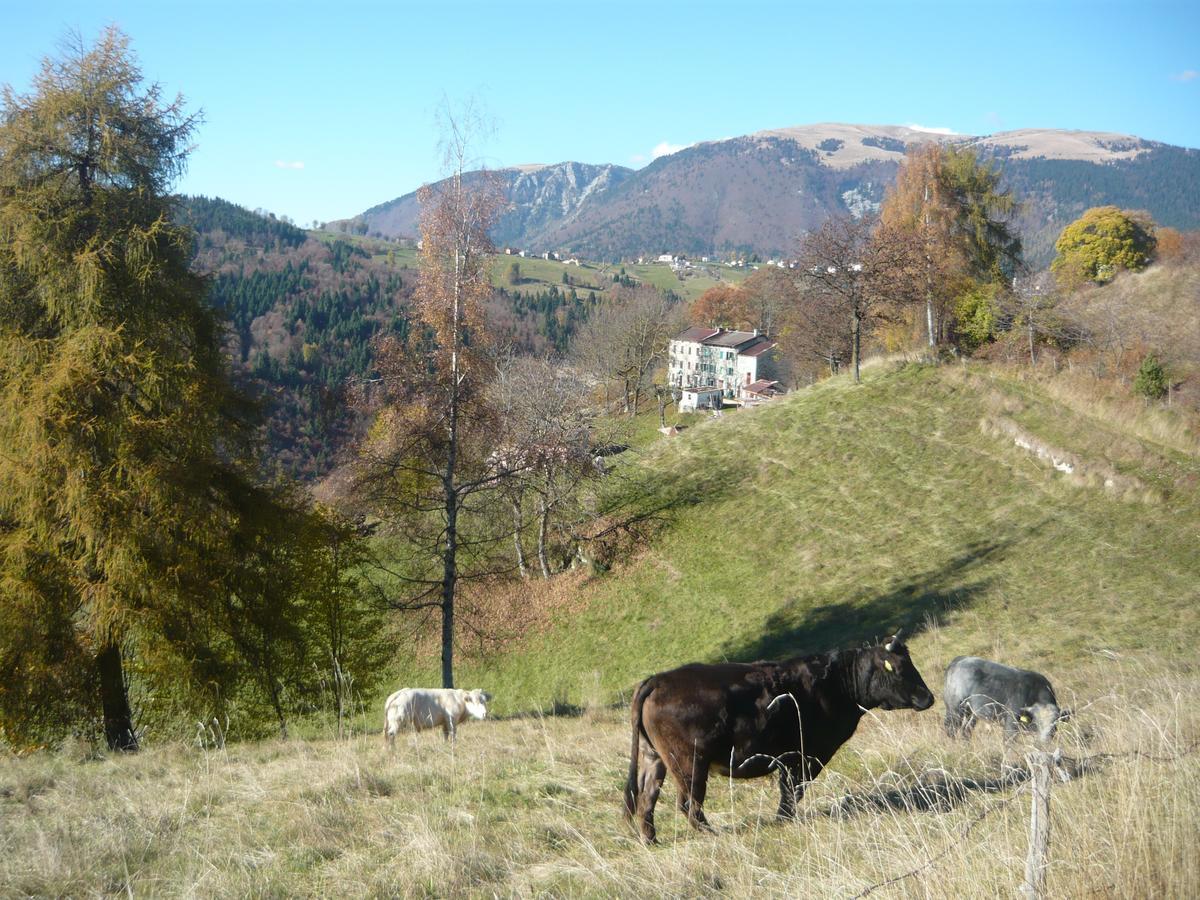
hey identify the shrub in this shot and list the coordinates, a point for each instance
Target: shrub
(1151, 379)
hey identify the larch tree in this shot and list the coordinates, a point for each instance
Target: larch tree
(119, 431)
(429, 455)
(951, 207)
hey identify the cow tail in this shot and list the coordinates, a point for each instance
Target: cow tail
(631, 786)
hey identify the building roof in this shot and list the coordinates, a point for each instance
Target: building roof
(748, 343)
(758, 349)
(697, 334)
(763, 387)
(730, 338)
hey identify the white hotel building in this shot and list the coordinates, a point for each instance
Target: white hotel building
(711, 365)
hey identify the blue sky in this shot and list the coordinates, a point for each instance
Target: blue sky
(320, 110)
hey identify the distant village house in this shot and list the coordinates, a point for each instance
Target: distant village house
(709, 366)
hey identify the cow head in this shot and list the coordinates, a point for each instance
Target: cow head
(1042, 718)
(890, 680)
(477, 702)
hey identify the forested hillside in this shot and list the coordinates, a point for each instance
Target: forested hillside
(303, 310)
(302, 314)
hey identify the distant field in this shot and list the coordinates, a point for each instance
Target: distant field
(694, 283)
(539, 274)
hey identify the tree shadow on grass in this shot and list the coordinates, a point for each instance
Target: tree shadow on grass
(911, 604)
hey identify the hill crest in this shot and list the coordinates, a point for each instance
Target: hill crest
(761, 192)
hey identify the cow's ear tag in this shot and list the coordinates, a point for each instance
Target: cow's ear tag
(887, 664)
(1024, 718)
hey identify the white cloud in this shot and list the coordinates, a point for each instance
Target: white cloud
(662, 148)
(666, 148)
(288, 164)
(1186, 75)
(929, 130)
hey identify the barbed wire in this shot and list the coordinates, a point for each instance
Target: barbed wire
(929, 863)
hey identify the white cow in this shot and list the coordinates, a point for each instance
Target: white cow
(421, 708)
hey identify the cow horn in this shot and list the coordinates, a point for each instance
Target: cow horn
(893, 640)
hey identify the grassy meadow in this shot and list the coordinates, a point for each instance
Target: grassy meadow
(529, 806)
(926, 497)
(841, 512)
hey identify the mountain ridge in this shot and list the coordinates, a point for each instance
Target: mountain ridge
(760, 192)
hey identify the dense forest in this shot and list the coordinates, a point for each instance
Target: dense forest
(303, 313)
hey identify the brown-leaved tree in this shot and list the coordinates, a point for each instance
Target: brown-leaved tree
(429, 457)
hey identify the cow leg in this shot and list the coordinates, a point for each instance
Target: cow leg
(967, 725)
(954, 722)
(448, 732)
(651, 773)
(791, 790)
(692, 781)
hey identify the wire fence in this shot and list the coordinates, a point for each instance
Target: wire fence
(1034, 778)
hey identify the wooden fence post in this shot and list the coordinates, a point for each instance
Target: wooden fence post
(1039, 826)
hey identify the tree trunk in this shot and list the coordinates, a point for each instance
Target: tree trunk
(449, 573)
(856, 345)
(277, 704)
(450, 492)
(928, 275)
(114, 700)
(544, 513)
(339, 695)
(518, 527)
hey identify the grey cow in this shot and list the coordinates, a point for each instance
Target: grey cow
(981, 689)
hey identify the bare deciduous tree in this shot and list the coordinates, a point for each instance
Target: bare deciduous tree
(549, 430)
(855, 272)
(429, 452)
(624, 339)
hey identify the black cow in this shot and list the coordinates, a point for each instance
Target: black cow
(747, 719)
(981, 689)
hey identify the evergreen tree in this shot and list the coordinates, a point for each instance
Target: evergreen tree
(1151, 379)
(119, 433)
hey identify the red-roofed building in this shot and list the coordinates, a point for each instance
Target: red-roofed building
(704, 360)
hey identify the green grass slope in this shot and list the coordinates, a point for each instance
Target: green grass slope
(834, 515)
(823, 519)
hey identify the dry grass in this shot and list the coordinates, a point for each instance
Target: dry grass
(530, 807)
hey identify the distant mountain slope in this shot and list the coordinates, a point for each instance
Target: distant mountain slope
(761, 191)
(542, 197)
